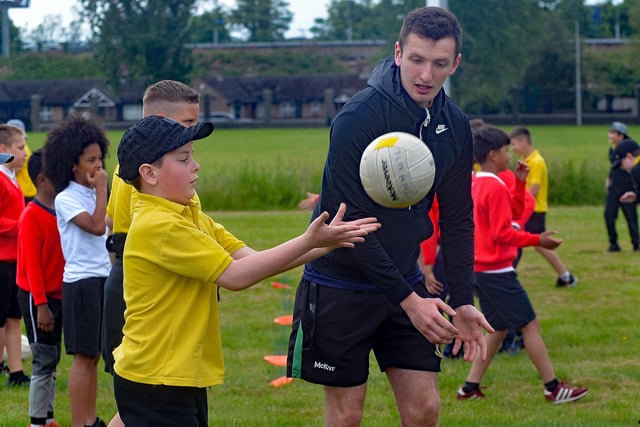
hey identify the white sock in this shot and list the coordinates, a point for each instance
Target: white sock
(566, 276)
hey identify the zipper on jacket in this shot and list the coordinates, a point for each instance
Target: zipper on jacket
(425, 123)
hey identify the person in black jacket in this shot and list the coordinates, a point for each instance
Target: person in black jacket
(625, 159)
(619, 182)
(373, 296)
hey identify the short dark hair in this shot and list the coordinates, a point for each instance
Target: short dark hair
(520, 132)
(66, 143)
(432, 23)
(34, 165)
(487, 139)
(476, 124)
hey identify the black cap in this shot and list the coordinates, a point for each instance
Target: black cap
(153, 137)
(623, 148)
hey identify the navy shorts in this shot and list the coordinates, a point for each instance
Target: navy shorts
(503, 301)
(82, 313)
(536, 223)
(334, 331)
(148, 405)
(8, 292)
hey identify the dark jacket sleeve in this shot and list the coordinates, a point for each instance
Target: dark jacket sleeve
(456, 222)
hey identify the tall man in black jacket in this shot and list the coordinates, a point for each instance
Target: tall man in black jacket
(373, 296)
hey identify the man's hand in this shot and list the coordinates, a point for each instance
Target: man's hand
(470, 322)
(425, 315)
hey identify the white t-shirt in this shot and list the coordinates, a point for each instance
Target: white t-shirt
(85, 254)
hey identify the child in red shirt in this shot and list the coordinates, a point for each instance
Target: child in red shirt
(11, 206)
(503, 300)
(39, 277)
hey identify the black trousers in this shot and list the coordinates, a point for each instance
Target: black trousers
(630, 212)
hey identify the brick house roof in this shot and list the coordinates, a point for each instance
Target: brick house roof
(307, 88)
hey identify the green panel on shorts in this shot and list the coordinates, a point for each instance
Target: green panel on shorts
(296, 363)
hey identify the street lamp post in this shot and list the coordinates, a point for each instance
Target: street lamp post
(6, 5)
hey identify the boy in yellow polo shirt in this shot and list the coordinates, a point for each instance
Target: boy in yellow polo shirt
(165, 98)
(175, 258)
(538, 185)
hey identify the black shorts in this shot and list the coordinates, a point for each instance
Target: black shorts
(112, 314)
(9, 307)
(504, 302)
(536, 223)
(82, 312)
(30, 316)
(334, 331)
(147, 405)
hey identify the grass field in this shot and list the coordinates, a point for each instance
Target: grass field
(591, 333)
(271, 169)
(591, 330)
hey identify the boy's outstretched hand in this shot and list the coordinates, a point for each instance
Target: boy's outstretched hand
(548, 242)
(340, 234)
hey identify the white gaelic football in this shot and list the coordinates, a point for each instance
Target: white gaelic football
(397, 170)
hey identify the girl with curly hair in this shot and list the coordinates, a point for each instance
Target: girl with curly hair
(74, 163)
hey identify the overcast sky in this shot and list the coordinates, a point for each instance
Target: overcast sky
(304, 12)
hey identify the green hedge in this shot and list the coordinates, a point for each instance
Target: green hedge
(271, 169)
(576, 183)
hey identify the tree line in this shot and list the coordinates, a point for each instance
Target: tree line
(512, 49)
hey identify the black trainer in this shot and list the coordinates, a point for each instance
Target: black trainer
(573, 280)
(18, 379)
(98, 423)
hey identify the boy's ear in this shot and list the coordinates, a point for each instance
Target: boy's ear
(148, 173)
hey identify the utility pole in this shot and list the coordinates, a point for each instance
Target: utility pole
(578, 78)
(6, 5)
(215, 22)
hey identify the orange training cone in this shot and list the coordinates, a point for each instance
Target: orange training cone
(279, 285)
(281, 382)
(278, 360)
(286, 320)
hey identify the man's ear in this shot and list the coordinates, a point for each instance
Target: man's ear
(148, 173)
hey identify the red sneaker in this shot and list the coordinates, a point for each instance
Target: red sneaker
(473, 394)
(565, 393)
